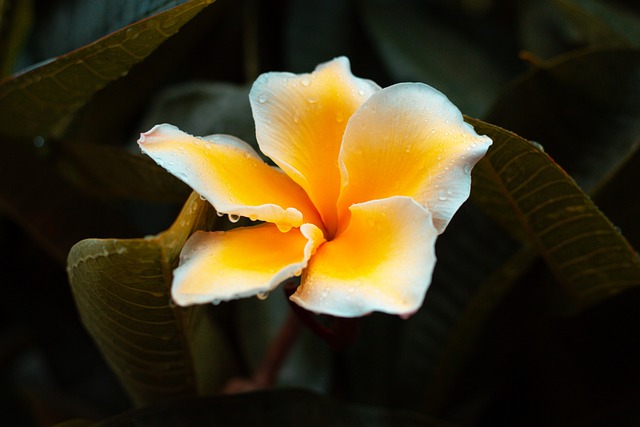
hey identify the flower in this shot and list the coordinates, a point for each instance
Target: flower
(367, 179)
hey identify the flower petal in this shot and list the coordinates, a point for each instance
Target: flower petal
(220, 266)
(410, 140)
(382, 262)
(231, 175)
(300, 120)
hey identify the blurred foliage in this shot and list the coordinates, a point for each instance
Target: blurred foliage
(532, 315)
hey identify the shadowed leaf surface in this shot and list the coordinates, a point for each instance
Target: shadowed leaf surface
(582, 107)
(43, 203)
(43, 101)
(269, 408)
(586, 253)
(122, 291)
(112, 172)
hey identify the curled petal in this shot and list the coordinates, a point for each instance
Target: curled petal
(231, 175)
(300, 120)
(220, 266)
(381, 262)
(410, 140)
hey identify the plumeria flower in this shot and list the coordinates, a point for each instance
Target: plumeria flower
(367, 178)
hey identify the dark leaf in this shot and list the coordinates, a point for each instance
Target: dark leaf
(43, 101)
(268, 408)
(586, 253)
(43, 203)
(122, 289)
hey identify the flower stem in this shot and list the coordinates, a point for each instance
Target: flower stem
(267, 373)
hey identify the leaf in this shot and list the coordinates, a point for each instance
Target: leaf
(602, 22)
(35, 196)
(122, 291)
(44, 100)
(431, 47)
(62, 27)
(268, 408)
(15, 21)
(582, 107)
(586, 253)
(111, 172)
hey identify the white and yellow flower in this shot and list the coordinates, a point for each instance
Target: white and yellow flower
(367, 180)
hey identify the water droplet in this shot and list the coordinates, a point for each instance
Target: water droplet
(537, 145)
(467, 168)
(442, 195)
(220, 214)
(247, 155)
(215, 301)
(298, 273)
(262, 295)
(312, 100)
(283, 227)
(253, 217)
(203, 197)
(361, 92)
(305, 82)
(262, 99)
(433, 130)
(38, 142)
(234, 218)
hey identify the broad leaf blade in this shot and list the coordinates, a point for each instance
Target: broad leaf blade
(44, 100)
(122, 291)
(41, 201)
(583, 249)
(269, 408)
(113, 172)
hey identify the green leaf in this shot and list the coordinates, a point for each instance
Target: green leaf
(587, 254)
(433, 47)
(268, 408)
(112, 172)
(582, 107)
(601, 22)
(15, 22)
(41, 201)
(122, 291)
(62, 27)
(44, 100)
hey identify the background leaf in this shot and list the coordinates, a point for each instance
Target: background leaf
(270, 408)
(584, 250)
(43, 101)
(122, 290)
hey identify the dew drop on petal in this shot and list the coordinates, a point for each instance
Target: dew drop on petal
(442, 195)
(215, 301)
(283, 227)
(220, 214)
(262, 295)
(305, 82)
(262, 99)
(203, 197)
(467, 168)
(234, 218)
